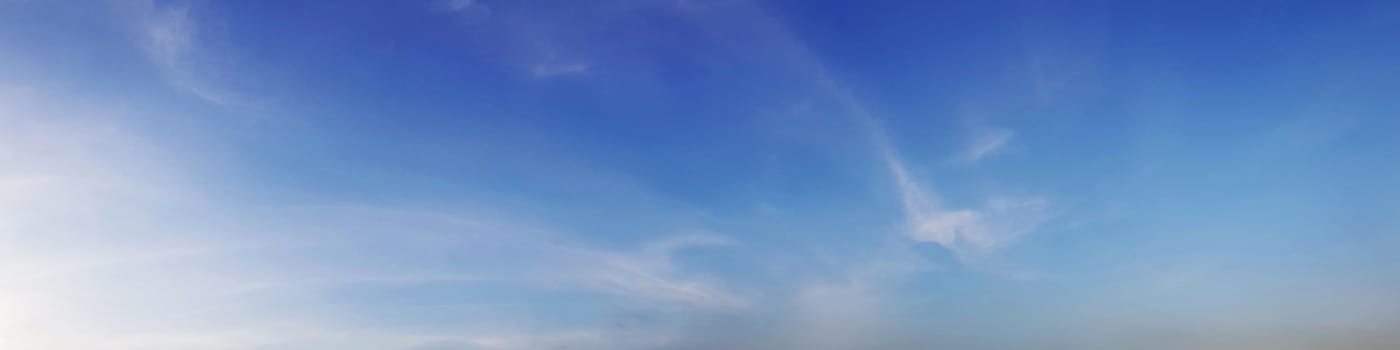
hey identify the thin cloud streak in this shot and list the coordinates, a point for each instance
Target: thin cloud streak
(970, 234)
(987, 143)
(651, 275)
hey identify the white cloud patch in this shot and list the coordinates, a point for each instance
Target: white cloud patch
(973, 233)
(969, 233)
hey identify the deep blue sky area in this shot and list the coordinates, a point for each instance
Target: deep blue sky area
(699, 174)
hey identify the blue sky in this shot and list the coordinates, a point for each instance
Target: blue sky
(692, 174)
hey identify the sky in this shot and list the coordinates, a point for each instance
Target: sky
(699, 174)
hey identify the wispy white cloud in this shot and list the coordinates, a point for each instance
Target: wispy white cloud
(976, 233)
(652, 276)
(970, 233)
(170, 37)
(986, 143)
(107, 242)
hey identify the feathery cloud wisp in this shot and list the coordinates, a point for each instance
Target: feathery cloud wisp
(649, 276)
(169, 35)
(986, 143)
(969, 233)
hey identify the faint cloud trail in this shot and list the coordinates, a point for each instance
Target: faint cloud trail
(170, 37)
(970, 234)
(987, 143)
